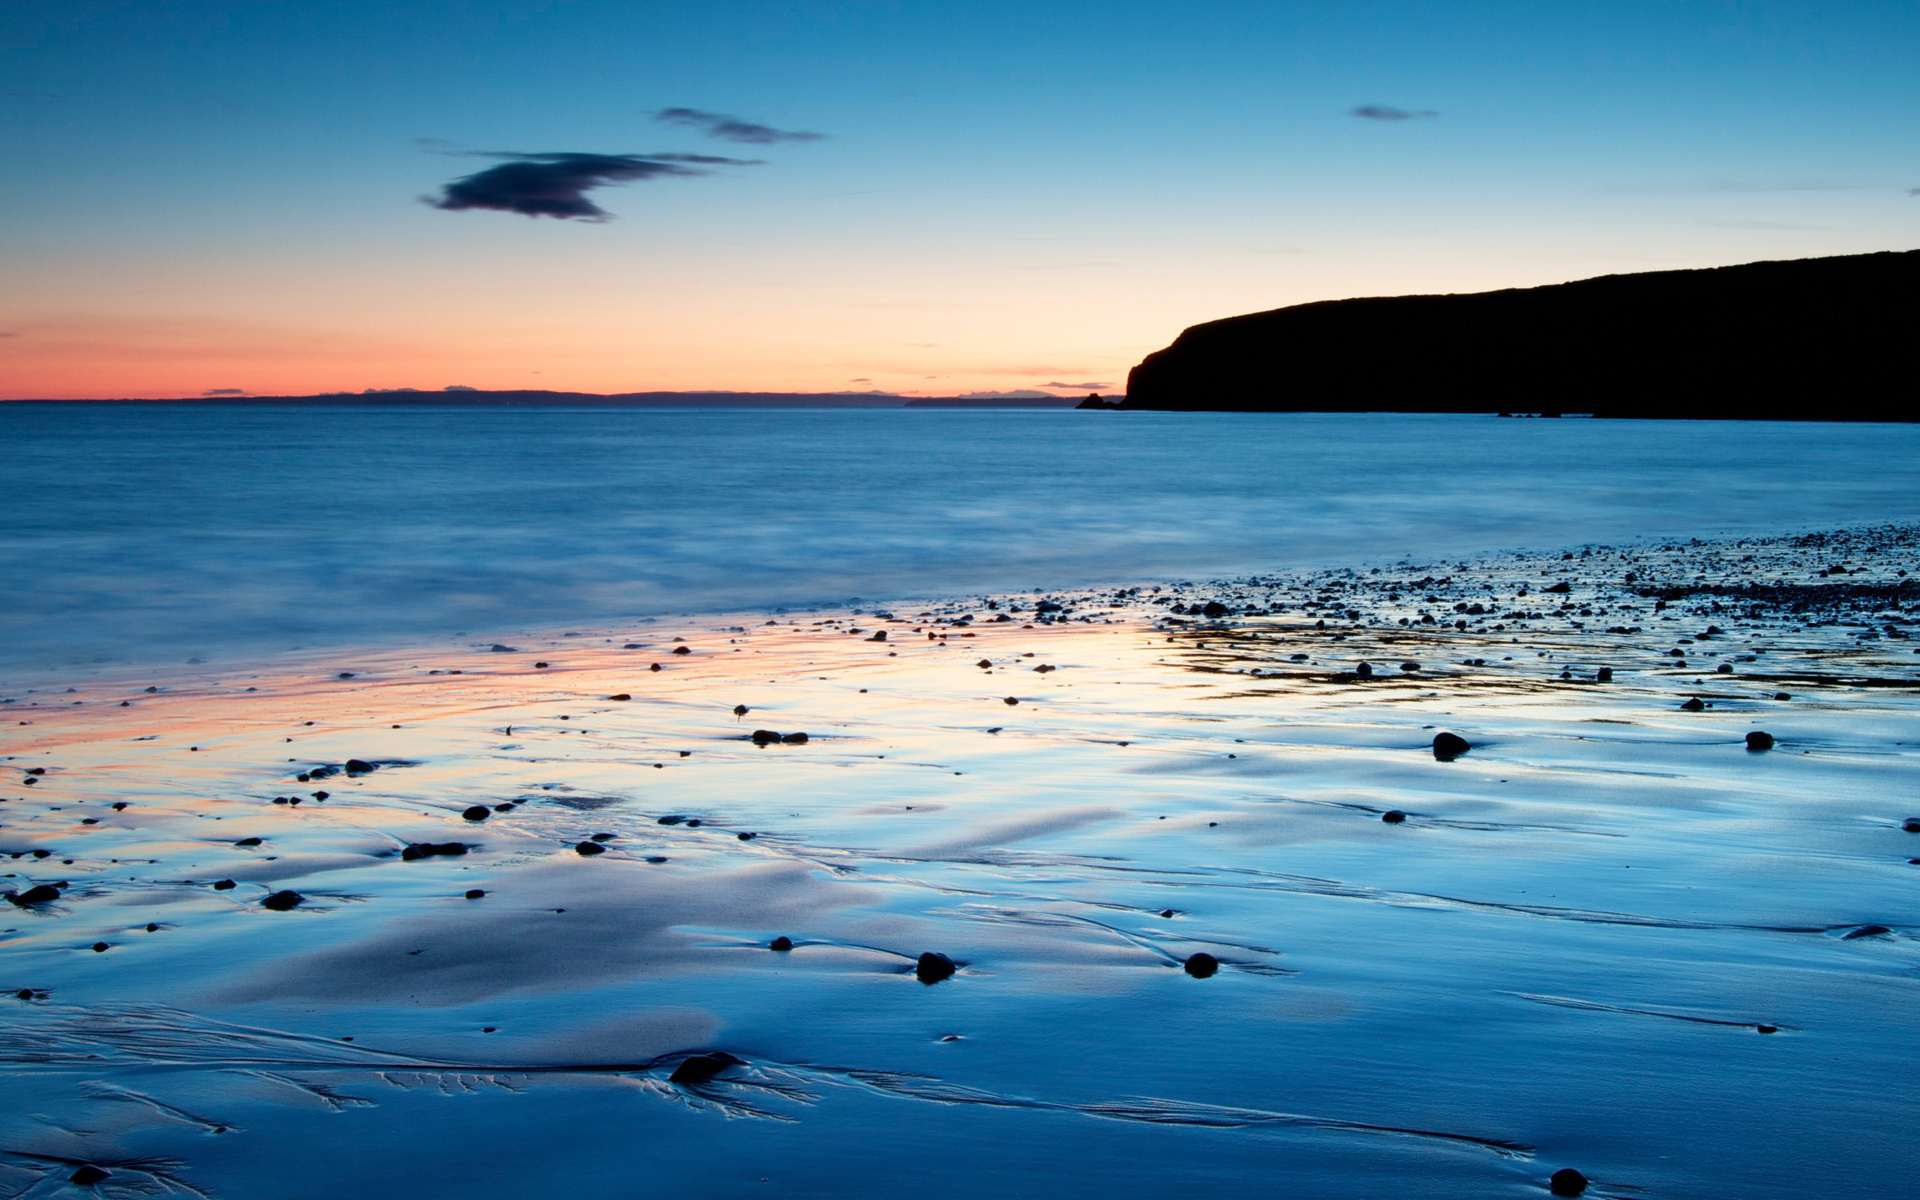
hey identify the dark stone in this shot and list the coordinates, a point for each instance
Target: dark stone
(1911, 824)
(669, 820)
(1603, 675)
(602, 837)
(419, 850)
(741, 710)
(1865, 931)
(1766, 1029)
(621, 696)
(38, 894)
(1393, 816)
(1409, 666)
(588, 849)
(984, 663)
(1759, 740)
(1012, 700)
(795, 739)
(783, 943)
(478, 812)
(283, 901)
(224, 885)
(932, 967)
(476, 893)
(1215, 609)
(538, 665)
(1559, 589)
(248, 841)
(1201, 965)
(764, 737)
(1043, 668)
(86, 1175)
(1694, 705)
(1449, 746)
(1566, 1182)
(1783, 695)
(746, 837)
(1363, 671)
(358, 766)
(101, 947)
(497, 648)
(698, 1068)
(653, 667)
(683, 650)
(880, 636)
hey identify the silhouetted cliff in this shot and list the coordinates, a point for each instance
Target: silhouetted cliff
(1827, 339)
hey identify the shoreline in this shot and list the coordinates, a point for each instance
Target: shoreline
(1068, 798)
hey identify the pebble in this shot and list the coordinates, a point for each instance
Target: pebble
(419, 850)
(478, 812)
(476, 893)
(1566, 1182)
(1201, 965)
(783, 943)
(1865, 931)
(1696, 704)
(1449, 746)
(699, 1068)
(224, 885)
(1759, 740)
(283, 901)
(1393, 816)
(38, 894)
(932, 967)
(86, 1175)
(589, 849)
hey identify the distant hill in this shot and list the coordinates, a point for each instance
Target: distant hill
(468, 397)
(1826, 339)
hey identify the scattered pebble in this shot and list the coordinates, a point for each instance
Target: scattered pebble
(1449, 746)
(1759, 740)
(932, 967)
(1201, 965)
(1566, 1182)
(283, 901)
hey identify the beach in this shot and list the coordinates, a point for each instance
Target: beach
(1118, 890)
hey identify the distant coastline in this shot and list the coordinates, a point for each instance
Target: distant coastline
(478, 397)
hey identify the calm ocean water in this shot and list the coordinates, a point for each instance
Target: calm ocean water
(151, 534)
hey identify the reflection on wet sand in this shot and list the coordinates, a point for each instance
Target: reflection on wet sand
(1194, 861)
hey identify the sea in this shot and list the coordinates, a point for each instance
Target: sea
(134, 534)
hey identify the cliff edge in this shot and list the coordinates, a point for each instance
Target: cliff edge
(1827, 339)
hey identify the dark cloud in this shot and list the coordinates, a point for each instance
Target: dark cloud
(1078, 387)
(1913, 191)
(1384, 112)
(733, 129)
(554, 184)
(224, 392)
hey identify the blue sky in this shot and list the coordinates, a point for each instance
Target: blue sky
(226, 194)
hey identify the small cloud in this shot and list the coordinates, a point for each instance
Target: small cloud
(859, 381)
(224, 392)
(1020, 394)
(459, 387)
(385, 391)
(1078, 387)
(733, 129)
(1386, 112)
(554, 184)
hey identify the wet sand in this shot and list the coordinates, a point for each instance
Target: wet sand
(1613, 935)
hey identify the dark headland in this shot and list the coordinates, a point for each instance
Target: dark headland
(1826, 339)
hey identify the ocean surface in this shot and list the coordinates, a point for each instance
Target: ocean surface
(136, 534)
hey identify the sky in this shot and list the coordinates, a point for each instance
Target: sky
(226, 196)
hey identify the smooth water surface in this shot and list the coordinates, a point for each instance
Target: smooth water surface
(154, 533)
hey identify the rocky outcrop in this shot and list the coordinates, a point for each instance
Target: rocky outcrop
(1811, 339)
